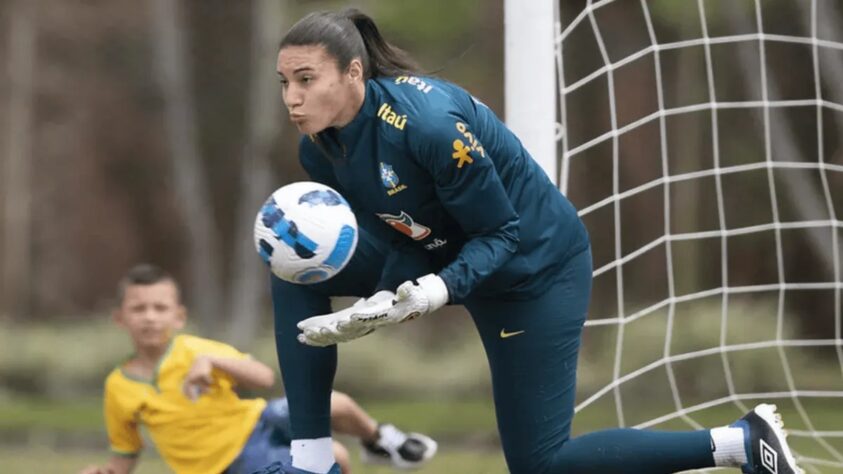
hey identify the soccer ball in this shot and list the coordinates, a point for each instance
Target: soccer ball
(306, 232)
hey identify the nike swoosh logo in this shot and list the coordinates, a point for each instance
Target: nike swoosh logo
(505, 334)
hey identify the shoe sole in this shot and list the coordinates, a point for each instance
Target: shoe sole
(768, 413)
(430, 451)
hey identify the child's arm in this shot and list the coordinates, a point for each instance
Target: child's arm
(121, 424)
(116, 465)
(245, 372)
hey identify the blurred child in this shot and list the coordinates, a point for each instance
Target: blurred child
(181, 388)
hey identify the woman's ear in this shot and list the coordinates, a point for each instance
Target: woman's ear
(355, 70)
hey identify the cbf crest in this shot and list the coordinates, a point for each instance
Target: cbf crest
(390, 180)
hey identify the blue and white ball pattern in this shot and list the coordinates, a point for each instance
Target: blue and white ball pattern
(306, 232)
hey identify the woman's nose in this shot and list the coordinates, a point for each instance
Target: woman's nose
(292, 97)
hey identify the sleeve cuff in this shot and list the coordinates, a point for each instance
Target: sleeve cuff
(452, 296)
(125, 454)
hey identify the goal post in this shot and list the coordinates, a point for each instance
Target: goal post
(702, 142)
(530, 78)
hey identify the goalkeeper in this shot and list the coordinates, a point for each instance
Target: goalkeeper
(181, 389)
(453, 210)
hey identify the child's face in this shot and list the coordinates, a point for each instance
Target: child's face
(151, 313)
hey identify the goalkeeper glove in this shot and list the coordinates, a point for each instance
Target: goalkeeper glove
(413, 299)
(328, 329)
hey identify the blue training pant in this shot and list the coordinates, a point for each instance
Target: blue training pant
(533, 374)
(308, 372)
(534, 383)
(269, 441)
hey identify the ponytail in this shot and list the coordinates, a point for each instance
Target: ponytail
(348, 35)
(384, 58)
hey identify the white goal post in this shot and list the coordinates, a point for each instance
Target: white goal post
(530, 78)
(702, 142)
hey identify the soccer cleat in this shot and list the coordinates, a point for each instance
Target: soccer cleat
(399, 449)
(286, 467)
(765, 441)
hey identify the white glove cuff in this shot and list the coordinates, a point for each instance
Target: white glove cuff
(435, 290)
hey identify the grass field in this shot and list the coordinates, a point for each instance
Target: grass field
(41, 437)
(45, 461)
(58, 438)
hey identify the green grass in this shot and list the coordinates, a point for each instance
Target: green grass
(39, 460)
(76, 416)
(466, 431)
(44, 461)
(62, 430)
(448, 418)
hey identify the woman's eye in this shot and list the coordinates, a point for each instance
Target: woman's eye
(284, 82)
(306, 79)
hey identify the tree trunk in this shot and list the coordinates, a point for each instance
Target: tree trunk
(805, 198)
(192, 188)
(250, 276)
(15, 192)
(688, 270)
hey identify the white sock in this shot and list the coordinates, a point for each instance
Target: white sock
(314, 455)
(728, 446)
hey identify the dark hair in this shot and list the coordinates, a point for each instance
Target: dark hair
(142, 274)
(351, 34)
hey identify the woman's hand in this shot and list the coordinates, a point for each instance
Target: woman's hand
(413, 299)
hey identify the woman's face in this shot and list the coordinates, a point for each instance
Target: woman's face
(317, 94)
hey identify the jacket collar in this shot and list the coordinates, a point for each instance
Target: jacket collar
(352, 132)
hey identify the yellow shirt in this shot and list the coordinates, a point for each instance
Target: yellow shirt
(201, 437)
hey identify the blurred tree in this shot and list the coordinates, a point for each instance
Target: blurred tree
(248, 282)
(155, 136)
(16, 188)
(227, 279)
(193, 191)
(101, 194)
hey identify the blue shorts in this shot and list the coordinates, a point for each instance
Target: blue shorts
(269, 442)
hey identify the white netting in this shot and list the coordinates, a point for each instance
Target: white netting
(701, 142)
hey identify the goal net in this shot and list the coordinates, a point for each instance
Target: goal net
(701, 142)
